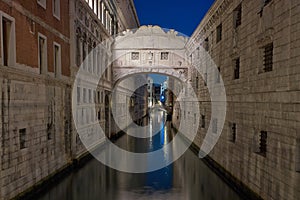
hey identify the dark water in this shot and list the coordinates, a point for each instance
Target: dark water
(187, 179)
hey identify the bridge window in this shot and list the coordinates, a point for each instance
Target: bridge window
(22, 135)
(268, 57)
(135, 56)
(219, 33)
(164, 56)
(238, 16)
(215, 126)
(237, 68)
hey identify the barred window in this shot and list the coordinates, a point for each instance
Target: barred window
(22, 136)
(238, 16)
(206, 44)
(237, 68)
(263, 143)
(233, 132)
(135, 56)
(219, 33)
(164, 56)
(197, 82)
(202, 121)
(268, 57)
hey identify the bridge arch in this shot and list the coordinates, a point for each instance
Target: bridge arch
(147, 50)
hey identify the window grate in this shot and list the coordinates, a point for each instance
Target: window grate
(164, 56)
(135, 56)
(263, 143)
(268, 57)
(237, 69)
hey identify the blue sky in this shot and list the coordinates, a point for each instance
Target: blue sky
(183, 16)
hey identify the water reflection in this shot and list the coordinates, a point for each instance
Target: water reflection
(187, 178)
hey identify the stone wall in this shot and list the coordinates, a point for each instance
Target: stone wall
(259, 99)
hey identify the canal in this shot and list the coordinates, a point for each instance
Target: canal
(186, 179)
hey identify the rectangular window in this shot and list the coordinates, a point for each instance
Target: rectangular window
(57, 60)
(298, 155)
(202, 121)
(84, 95)
(206, 44)
(42, 53)
(233, 132)
(135, 56)
(268, 57)
(164, 56)
(56, 8)
(7, 36)
(237, 68)
(197, 82)
(219, 33)
(22, 135)
(215, 126)
(90, 96)
(42, 3)
(237, 16)
(263, 143)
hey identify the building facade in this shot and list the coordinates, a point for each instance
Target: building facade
(43, 44)
(255, 46)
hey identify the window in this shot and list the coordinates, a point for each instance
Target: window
(263, 143)
(268, 57)
(22, 135)
(90, 96)
(298, 155)
(233, 132)
(266, 2)
(202, 121)
(42, 53)
(84, 95)
(206, 44)
(42, 3)
(215, 126)
(197, 82)
(219, 33)
(135, 56)
(164, 56)
(237, 16)
(56, 8)
(57, 60)
(8, 41)
(237, 68)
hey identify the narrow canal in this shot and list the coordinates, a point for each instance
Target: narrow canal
(186, 179)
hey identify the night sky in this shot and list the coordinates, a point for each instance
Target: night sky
(183, 16)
